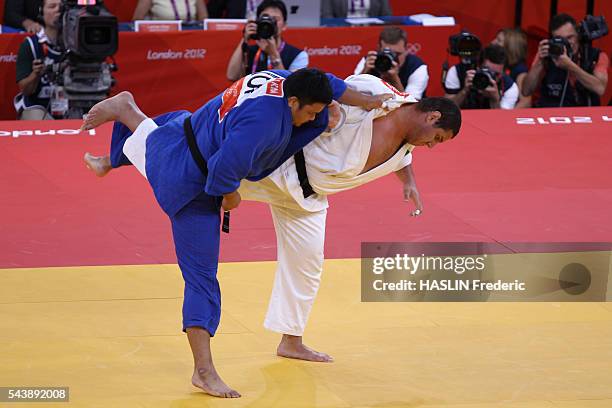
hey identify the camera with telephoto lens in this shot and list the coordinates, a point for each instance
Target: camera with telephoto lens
(266, 28)
(87, 36)
(482, 78)
(384, 60)
(592, 28)
(556, 45)
(464, 45)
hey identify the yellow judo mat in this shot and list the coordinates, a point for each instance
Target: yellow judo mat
(113, 335)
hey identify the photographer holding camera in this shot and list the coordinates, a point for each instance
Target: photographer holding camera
(483, 87)
(35, 52)
(271, 52)
(567, 69)
(394, 64)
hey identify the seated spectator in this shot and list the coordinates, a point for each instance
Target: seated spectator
(408, 73)
(23, 15)
(501, 91)
(233, 8)
(35, 52)
(567, 79)
(186, 10)
(354, 8)
(272, 53)
(514, 41)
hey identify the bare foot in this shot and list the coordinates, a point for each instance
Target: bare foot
(292, 347)
(210, 382)
(108, 110)
(99, 165)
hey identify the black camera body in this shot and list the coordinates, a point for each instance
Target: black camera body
(384, 60)
(464, 45)
(556, 46)
(592, 28)
(88, 36)
(88, 32)
(482, 78)
(266, 28)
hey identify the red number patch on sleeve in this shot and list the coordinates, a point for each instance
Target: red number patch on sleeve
(230, 98)
(275, 87)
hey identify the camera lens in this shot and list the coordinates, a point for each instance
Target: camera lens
(383, 63)
(481, 80)
(384, 60)
(266, 27)
(97, 35)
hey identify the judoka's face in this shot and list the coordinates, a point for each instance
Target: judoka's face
(304, 113)
(429, 135)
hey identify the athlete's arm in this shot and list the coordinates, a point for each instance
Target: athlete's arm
(367, 102)
(411, 192)
(343, 94)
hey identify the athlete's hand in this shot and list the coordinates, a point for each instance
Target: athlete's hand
(376, 101)
(411, 193)
(231, 201)
(334, 115)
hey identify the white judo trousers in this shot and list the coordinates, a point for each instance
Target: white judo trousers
(334, 163)
(300, 237)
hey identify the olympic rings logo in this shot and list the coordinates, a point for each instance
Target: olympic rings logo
(413, 48)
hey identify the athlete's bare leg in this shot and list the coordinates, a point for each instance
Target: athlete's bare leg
(205, 375)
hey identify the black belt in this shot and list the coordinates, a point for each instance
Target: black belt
(201, 162)
(300, 166)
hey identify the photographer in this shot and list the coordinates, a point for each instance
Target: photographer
(514, 41)
(486, 87)
(568, 73)
(33, 101)
(271, 52)
(23, 14)
(393, 63)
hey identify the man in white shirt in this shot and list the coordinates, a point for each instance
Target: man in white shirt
(493, 89)
(406, 72)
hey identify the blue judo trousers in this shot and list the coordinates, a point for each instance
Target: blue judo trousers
(245, 132)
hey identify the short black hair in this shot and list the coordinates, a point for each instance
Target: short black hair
(494, 53)
(451, 114)
(559, 21)
(309, 85)
(277, 4)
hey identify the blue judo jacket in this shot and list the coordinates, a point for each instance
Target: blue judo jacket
(245, 132)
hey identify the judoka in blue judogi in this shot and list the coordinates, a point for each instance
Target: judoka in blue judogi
(245, 132)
